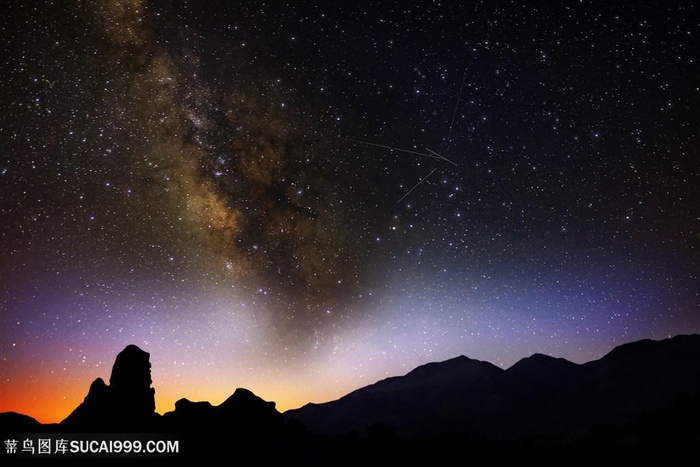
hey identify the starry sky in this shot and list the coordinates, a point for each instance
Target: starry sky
(303, 198)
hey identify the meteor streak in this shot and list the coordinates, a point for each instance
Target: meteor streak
(416, 185)
(454, 114)
(434, 155)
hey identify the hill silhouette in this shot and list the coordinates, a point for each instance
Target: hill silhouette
(631, 399)
(641, 398)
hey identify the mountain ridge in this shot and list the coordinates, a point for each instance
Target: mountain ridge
(538, 394)
(642, 395)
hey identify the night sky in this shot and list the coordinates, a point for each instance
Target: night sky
(304, 198)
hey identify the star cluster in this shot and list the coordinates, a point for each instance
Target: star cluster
(302, 199)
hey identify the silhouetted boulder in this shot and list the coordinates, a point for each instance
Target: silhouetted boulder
(130, 382)
(191, 413)
(243, 424)
(127, 404)
(243, 413)
(250, 412)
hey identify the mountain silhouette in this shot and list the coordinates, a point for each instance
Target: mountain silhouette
(642, 397)
(539, 399)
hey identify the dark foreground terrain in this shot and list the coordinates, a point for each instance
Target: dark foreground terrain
(640, 401)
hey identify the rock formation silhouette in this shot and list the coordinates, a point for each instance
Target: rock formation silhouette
(244, 422)
(127, 404)
(243, 413)
(641, 398)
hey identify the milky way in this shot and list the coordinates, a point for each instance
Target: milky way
(303, 199)
(241, 177)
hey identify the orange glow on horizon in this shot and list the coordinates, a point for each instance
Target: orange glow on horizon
(42, 399)
(48, 402)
